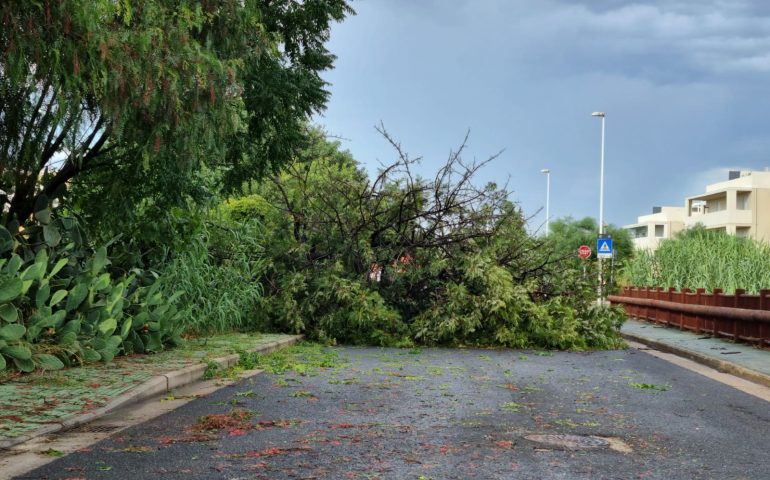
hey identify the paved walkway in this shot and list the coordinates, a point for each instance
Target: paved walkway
(737, 358)
(29, 403)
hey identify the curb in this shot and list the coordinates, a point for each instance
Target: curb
(149, 388)
(717, 364)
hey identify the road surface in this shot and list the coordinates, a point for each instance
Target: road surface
(449, 414)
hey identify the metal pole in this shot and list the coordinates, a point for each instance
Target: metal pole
(601, 219)
(599, 289)
(612, 269)
(601, 186)
(548, 204)
(547, 200)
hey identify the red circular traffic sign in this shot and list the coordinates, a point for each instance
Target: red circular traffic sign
(584, 251)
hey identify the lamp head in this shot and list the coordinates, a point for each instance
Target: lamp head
(545, 170)
(598, 114)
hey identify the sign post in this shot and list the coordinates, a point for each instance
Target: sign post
(584, 252)
(604, 247)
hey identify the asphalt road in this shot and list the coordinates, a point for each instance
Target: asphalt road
(450, 414)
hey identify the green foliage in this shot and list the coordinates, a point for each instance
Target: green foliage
(283, 87)
(246, 209)
(303, 358)
(332, 308)
(212, 369)
(650, 386)
(700, 258)
(219, 277)
(123, 110)
(108, 86)
(60, 306)
(130, 117)
(487, 307)
(567, 234)
(596, 323)
(456, 265)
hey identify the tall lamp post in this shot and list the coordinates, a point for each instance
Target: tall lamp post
(547, 200)
(601, 115)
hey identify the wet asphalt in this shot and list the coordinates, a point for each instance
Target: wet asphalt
(450, 414)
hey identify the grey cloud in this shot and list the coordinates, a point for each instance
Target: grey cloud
(684, 84)
(706, 37)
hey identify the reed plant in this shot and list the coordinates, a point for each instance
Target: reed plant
(700, 258)
(219, 274)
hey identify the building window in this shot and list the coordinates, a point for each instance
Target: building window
(716, 205)
(697, 207)
(743, 201)
(742, 232)
(639, 232)
(659, 230)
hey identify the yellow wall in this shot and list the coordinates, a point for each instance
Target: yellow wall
(761, 214)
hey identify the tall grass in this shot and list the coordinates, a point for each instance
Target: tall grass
(219, 275)
(701, 258)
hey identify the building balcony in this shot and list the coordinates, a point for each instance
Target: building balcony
(720, 218)
(646, 243)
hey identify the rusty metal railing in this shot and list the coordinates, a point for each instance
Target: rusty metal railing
(739, 317)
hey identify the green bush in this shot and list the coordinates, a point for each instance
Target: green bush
(246, 209)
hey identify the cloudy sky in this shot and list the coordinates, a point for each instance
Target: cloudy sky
(685, 84)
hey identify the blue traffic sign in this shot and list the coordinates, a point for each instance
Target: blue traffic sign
(604, 247)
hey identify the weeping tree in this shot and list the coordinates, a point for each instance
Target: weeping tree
(126, 102)
(113, 116)
(89, 85)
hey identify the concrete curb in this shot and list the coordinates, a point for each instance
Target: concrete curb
(715, 363)
(149, 388)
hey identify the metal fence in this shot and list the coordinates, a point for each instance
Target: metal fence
(739, 317)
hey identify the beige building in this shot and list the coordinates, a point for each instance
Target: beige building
(739, 206)
(662, 223)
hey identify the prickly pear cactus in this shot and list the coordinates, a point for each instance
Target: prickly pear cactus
(60, 306)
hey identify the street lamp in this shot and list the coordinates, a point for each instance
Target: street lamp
(547, 199)
(601, 115)
(601, 177)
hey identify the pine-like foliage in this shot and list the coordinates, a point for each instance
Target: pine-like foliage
(125, 101)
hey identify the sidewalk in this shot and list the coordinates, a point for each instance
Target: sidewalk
(46, 402)
(738, 359)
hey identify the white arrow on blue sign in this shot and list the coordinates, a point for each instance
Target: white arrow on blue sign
(604, 248)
